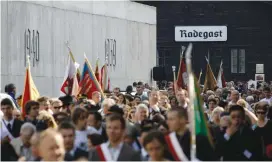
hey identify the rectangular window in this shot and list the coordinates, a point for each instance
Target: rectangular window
(238, 58)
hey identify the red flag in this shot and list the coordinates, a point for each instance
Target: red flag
(89, 83)
(182, 78)
(30, 91)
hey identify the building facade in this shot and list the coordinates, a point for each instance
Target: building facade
(122, 33)
(249, 36)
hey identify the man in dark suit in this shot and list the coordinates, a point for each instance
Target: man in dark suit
(239, 142)
(67, 129)
(115, 149)
(13, 125)
(177, 120)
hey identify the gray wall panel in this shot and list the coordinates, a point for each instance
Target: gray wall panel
(86, 27)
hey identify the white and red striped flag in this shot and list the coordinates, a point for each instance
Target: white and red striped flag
(70, 82)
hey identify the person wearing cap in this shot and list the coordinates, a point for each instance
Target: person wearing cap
(68, 104)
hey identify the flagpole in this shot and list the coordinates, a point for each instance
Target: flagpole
(71, 55)
(200, 74)
(191, 103)
(90, 67)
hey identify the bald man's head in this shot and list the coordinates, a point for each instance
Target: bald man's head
(51, 145)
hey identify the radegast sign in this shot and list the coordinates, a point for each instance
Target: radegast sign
(200, 33)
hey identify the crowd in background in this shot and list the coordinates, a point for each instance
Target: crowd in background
(133, 125)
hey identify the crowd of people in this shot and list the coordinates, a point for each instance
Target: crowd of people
(134, 125)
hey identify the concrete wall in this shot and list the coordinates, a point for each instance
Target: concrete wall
(86, 25)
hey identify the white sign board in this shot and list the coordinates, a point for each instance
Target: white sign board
(252, 84)
(260, 68)
(200, 33)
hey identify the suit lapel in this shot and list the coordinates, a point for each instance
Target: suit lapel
(14, 128)
(122, 156)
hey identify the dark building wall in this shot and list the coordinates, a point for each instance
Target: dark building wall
(249, 27)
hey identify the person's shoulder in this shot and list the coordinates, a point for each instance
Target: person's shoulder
(17, 121)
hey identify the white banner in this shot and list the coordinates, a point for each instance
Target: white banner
(200, 33)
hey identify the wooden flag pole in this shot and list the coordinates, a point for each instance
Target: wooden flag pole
(191, 110)
(200, 74)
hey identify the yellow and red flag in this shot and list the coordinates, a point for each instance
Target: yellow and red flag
(30, 91)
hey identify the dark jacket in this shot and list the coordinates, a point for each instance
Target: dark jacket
(78, 154)
(204, 150)
(126, 154)
(16, 128)
(243, 145)
(8, 153)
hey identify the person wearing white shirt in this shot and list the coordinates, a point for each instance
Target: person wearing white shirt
(181, 97)
(154, 98)
(115, 149)
(234, 97)
(9, 122)
(80, 120)
(95, 120)
(67, 129)
(267, 93)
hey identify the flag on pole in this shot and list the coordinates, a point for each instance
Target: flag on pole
(69, 77)
(198, 120)
(210, 81)
(73, 58)
(97, 74)
(30, 91)
(105, 83)
(182, 78)
(199, 78)
(75, 87)
(221, 83)
(89, 83)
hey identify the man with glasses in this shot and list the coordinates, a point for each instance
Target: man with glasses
(239, 142)
(56, 106)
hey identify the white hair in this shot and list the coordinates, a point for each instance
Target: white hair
(249, 98)
(217, 110)
(141, 106)
(28, 128)
(108, 101)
